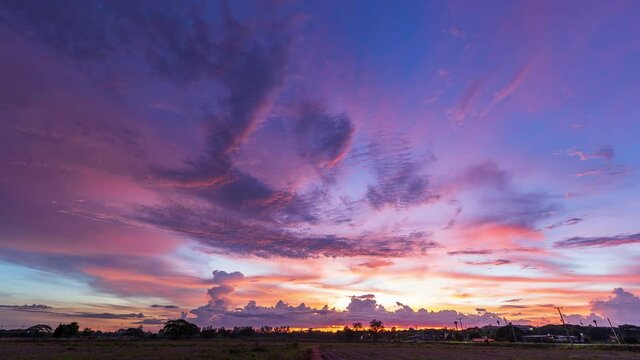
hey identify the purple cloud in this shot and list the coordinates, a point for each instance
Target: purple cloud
(623, 307)
(360, 309)
(401, 179)
(605, 152)
(471, 252)
(567, 222)
(495, 262)
(598, 241)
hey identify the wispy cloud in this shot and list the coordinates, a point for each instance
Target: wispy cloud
(598, 241)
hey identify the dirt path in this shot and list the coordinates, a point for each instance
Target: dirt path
(315, 353)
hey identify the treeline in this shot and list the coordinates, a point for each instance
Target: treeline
(357, 332)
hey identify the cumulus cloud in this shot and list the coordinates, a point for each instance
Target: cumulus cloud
(360, 309)
(622, 308)
(598, 241)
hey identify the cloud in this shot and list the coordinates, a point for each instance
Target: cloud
(266, 239)
(471, 252)
(622, 308)
(150, 322)
(598, 241)
(40, 308)
(360, 309)
(464, 109)
(495, 262)
(376, 263)
(401, 181)
(512, 86)
(321, 137)
(567, 222)
(606, 171)
(504, 208)
(105, 315)
(605, 152)
(32, 307)
(156, 306)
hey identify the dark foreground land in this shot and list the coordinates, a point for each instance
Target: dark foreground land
(235, 350)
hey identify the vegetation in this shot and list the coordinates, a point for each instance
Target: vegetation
(376, 331)
(67, 330)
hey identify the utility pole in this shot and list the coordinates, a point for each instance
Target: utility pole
(564, 324)
(614, 332)
(464, 334)
(513, 331)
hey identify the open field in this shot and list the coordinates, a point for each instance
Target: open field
(151, 349)
(236, 350)
(472, 352)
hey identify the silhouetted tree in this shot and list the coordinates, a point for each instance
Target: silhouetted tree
(132, 332)
(177, 329)
(208, 332)
(67, 330)
(505, 333)
(40, 330)
(357, 326)
(87, 332)
(375, 326)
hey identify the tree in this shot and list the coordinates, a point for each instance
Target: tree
(177, 329)
(40, 330)
(357, 326)
(67, 330)
(87, 332)
(132, 332)
(208, 332)
(375, 326)
(505, 333)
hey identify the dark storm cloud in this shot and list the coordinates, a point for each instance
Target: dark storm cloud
(598, 241)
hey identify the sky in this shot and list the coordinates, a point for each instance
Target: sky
(315, 164)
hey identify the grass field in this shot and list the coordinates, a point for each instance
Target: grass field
(151, 349)
(471, 352)
(236, 350)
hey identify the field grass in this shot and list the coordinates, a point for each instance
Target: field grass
(220, 349)
(474, 351)
(151, 349)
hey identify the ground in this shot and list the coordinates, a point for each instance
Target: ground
(236, 350)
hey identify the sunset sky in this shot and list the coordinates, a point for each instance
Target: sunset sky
(413, 161)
